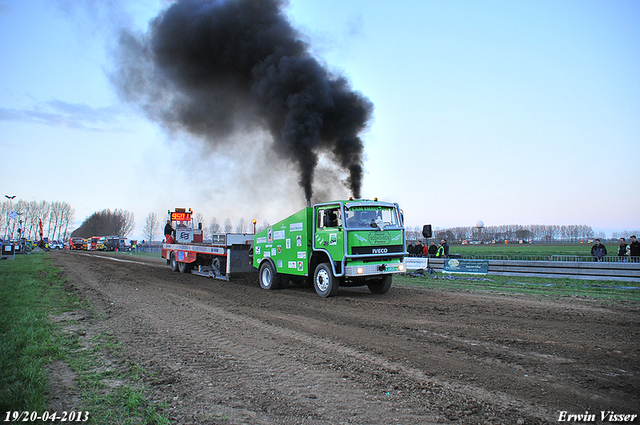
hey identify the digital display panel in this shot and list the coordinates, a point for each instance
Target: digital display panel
(180, 216)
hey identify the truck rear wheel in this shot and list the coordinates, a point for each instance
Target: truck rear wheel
(325, 283)
(382, 285)
(220, 264)
(184, 267)
(268, 277)
(174, 262)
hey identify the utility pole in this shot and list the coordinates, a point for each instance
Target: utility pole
(10, 198)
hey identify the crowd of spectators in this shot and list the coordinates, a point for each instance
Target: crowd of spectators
(431, 251)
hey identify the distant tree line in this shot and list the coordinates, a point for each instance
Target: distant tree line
(107, 223)
(243, 226)
(57, 219)
(624, 234)
(154, 228)
(511, 233)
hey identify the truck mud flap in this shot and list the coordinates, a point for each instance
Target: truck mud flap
(238, 264)
(239, 261)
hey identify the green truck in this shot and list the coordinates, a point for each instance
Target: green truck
(340, 243)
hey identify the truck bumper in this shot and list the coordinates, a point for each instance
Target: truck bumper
(374, 269)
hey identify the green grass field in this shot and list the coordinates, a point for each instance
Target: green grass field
(548, 287)
(33, 294)
(554, 288)
(532, 250)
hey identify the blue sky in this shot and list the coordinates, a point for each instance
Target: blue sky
(502, 111)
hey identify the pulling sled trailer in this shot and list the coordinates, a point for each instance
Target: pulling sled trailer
(225, 256)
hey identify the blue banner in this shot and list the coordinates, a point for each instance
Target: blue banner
(455, 265)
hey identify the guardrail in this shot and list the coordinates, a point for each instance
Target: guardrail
(572, 269)
(558, 257)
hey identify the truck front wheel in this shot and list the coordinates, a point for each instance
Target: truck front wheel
(268, 277)
(325, 283)
(382, 285)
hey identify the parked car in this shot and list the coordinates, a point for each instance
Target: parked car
(56, 245)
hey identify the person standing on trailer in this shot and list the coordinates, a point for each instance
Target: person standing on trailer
(168, 232)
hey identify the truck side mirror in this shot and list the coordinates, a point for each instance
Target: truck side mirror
(426, 231)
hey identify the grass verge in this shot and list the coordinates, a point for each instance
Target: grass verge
(110, 389)
(536, 286)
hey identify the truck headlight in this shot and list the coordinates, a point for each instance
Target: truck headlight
(360, 270)
(401, 267)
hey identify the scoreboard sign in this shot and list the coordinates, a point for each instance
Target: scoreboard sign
(180, 216)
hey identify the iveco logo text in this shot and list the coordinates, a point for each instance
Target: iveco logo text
(379, 250)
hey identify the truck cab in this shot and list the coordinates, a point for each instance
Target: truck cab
(76, 243)
(333, 244)
(101, 243)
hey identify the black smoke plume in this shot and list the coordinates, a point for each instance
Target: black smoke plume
(216, 67)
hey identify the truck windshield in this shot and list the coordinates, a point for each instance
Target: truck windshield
(371, 217)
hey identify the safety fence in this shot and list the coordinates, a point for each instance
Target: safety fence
(573, 258)
(150, 248)
(572, 266)
(608, 270)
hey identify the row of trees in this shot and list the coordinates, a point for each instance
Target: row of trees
(57, 218)
(624, 234)
(154, 226)
(118, 222)
(22, 219)
(511, 233)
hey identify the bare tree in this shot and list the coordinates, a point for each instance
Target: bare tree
(214, 226)
(198, 218)
(55, 219)
(4, 219)
(150, 226)
(45, 210)
(242, 226)
(36, 213)
(227, 225)
(67, 218)
(265, 225)
(127, 222)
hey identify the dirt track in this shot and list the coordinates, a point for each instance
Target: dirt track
(411, 356)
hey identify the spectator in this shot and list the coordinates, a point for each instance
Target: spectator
(418, 249)
(598, 251)
(433, 249)
(622, 251)
(634, 249)
(440, 253)
(445, 245)
(425, 251)
(410, 249)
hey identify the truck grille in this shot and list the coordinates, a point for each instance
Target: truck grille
(359, 250)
